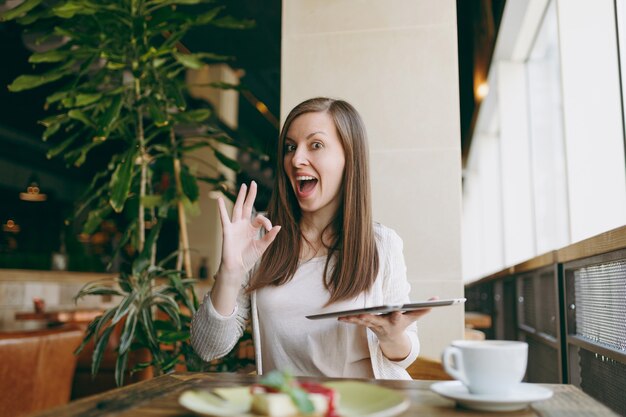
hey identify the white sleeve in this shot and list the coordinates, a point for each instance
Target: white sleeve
(214, 335)
(396, 290)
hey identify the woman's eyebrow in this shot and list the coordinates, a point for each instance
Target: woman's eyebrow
(315, 133)
(309, 136)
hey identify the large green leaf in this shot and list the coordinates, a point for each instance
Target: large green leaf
(180, 286)
(52, 152)
(109, 117)
(81, 117)
(54, 55)
(152, 201)
(120, 368)
(50, 120)
(98, 351)
(140, 265)
(27, 82)
(93, 192)
(140, 367)
(20, 10)
(174, 91)
(98, 287)
(121, 181)
(34, 15)
(207, 17)
(91, 327)
(85, 99)
(198, 145)
(56, 96)
(213, 57)
(148, 329)
(228, 86)
(95, 218)
(78, 156)
(124, 307)
(157, 4)
(144, 260)
(104, 322)
(71, 8)
(61, 147)
(172, 337)
(164, 325)
(198, 115)
(129, 230)
(157, 113)
(170, 363)
(172, 313)
(190, 61)
(128, 333)
(184, 1)
(228, 162)
(99, 290)
(151, 240)
(190, 185)
(50, 130)
(229, 22)
(124, 281)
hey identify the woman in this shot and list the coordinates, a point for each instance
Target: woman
(320, 252)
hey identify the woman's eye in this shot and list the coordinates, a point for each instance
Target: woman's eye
(317, 145)
(290, 148)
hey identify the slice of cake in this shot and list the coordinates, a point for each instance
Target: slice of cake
(279, 395)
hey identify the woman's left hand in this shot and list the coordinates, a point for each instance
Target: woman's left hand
(390, 329)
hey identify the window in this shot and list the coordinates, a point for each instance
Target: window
(546, 137)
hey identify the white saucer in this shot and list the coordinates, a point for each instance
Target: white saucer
(517, 400)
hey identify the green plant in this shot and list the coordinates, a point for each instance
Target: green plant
(141, 294)
(118, 73)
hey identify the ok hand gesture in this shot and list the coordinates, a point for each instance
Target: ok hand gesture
(242, 247)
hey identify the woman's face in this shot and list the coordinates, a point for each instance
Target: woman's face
(314, 162)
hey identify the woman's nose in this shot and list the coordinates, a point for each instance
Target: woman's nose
(300, 158)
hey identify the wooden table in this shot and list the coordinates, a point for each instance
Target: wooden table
(475, 320)
(159, 397)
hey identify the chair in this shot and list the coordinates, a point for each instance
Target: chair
(428, 369)
(36, 369)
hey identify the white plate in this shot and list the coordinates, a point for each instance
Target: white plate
(356, 399)
(517, 400)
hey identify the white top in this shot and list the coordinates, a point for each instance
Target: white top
(309, 347)
(214, 335)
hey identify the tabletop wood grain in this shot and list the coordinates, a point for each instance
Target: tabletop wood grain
(158, 397)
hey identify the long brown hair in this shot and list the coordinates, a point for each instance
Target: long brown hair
(353, 242)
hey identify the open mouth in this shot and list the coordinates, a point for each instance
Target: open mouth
(306, 184)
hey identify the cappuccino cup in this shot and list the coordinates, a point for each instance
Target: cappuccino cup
(491, 367)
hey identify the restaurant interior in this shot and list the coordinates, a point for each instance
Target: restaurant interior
(497, 140)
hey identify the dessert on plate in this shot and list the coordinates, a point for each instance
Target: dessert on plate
(278, 394)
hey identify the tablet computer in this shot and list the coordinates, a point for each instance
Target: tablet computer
(389, 308)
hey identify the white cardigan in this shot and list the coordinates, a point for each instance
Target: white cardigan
(214, 335)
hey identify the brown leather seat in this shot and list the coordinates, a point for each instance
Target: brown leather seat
(36, 369)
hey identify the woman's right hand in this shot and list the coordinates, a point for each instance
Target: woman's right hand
(242, 247)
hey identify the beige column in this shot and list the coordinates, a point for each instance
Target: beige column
(396, 62)
(205, 229)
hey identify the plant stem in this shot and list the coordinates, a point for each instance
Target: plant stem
(142, 187)
(182, 218)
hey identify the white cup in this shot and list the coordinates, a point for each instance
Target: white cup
(492, 367)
